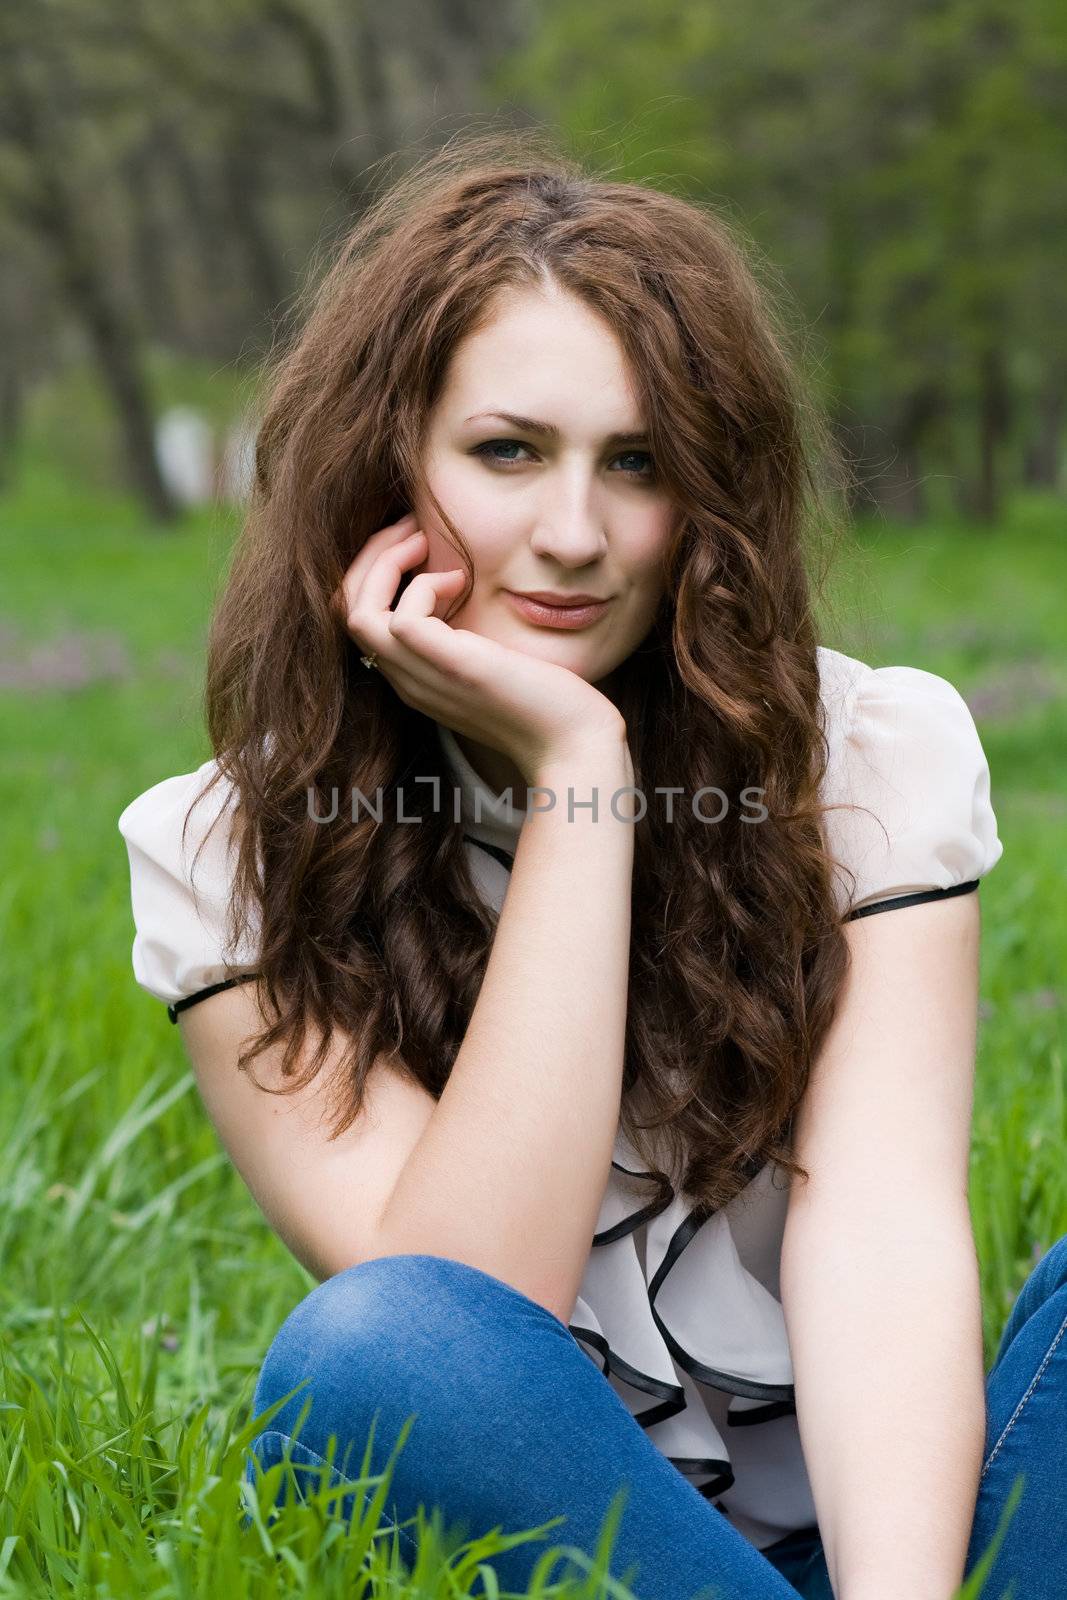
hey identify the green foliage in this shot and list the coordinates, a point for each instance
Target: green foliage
(901, 165)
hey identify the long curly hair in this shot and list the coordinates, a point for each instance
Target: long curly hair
(375, 931)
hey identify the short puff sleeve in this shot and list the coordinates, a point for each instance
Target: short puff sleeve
(904, 751)
(180, 911)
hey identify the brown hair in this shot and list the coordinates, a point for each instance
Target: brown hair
(377, 929)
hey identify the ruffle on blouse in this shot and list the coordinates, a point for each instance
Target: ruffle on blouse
(692, 1308)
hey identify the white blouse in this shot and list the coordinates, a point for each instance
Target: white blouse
(683, 1318)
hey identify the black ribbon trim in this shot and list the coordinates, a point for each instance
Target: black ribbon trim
(204, 994)
(723, 1480)
(672, 1404)
(754, 1414)
(913, 899)
(728, 1382)
(630, 1224)
(670, 1395)
(780, 1397)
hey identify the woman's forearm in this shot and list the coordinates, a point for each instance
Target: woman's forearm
(510, 1171)
(883, 1311)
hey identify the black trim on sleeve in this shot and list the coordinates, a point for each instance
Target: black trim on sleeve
(913, 899)
(204, 994)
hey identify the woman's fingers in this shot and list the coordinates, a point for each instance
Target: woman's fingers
(429, 645)
(366, 602)
(373, 589)
(426, 590)
(351, 583)
(413, 644)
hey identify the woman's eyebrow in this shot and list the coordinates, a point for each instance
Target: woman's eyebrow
(548, 430)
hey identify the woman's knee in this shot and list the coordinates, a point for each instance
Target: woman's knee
(1046, 1279)
(1046, 1282)
(379, 1323)
(349, 1323)
(1051, 1270)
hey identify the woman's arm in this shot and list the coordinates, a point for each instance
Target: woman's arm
(507, 1169)
(879, 1275)
(321, 1195)
(510, 1170)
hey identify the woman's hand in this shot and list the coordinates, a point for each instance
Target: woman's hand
(533, 711)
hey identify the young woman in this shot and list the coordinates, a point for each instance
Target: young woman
(526, 929)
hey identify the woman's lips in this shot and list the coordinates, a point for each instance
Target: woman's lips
(546, 616)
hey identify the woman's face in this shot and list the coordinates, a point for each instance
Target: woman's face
(536, 450)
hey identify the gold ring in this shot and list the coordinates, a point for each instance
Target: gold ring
(371, 660)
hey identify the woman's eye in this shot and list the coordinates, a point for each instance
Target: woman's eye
(649, 471)
(491, 446)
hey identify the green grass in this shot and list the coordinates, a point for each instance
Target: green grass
(141, 1286)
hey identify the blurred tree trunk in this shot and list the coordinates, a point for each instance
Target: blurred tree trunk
(152, 257)
(994, 412)
(242, 176)
(206, 332)
(1041, 462)
(375, 105)
(899, 487)
(46, 205)
(115, 347)
(10, 415)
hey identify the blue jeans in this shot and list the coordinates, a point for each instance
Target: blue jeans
(515, 1425)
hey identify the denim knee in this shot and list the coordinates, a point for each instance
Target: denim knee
(359, 1332)
(1051, 1270)
(1046, 1279)
(350, 1318)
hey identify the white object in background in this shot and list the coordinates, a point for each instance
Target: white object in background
(238, 465)
(185, 451)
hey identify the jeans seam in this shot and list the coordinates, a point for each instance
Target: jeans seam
(1030, 1389)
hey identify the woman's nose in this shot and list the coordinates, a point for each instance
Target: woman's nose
(570, 530)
